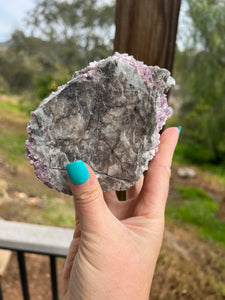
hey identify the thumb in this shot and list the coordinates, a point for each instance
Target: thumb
(88, 195)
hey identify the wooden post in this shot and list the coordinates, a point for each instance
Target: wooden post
(147, 30)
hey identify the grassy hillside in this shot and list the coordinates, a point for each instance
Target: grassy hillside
(12, 130)
(28, 199)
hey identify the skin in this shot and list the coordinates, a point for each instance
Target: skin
(116, 244)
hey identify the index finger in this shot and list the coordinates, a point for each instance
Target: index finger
(153, 196)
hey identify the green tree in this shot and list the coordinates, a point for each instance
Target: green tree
(73, 33)
(200, 69)
(17, 68)
(79, 31)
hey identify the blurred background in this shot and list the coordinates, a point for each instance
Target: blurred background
(42, 43)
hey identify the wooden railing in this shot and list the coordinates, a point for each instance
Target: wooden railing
(22, 237)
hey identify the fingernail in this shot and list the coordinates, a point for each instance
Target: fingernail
(78, 172)
(179, 127)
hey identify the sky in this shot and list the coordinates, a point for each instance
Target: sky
(13, 12)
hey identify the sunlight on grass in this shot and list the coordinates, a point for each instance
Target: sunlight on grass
(9, 106)
(12, 146)
(12, 105)
(218, 286)
(59, 213)
(12, 131)
(199, 210)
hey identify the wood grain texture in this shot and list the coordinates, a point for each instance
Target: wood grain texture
(147, 30)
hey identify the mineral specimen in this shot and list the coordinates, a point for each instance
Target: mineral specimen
(108, 115)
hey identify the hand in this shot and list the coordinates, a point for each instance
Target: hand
(116, 243)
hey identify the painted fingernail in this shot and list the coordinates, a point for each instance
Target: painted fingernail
(78, 172)
(179, 127)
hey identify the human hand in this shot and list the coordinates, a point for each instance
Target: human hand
(116, 243)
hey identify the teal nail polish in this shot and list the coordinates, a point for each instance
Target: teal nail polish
(78, 172)
(179, 127)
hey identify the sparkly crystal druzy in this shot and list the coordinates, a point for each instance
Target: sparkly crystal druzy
(109, 115)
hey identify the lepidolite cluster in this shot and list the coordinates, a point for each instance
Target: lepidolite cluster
(109, 115)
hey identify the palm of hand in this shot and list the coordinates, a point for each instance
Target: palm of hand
(116, 244)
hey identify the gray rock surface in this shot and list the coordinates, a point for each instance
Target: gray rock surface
(109, 115)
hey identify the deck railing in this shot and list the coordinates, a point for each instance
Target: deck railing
(46, 240)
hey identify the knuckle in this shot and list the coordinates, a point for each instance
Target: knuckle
(88, 196)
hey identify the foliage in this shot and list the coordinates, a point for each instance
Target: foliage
(193, 193)
(200, 73)
(17, 70)
(58, 213)
(7, 107)
(77, 31)
(12, 147)
(85, 22)
(199, 210)
(4, 87)
(73, 33)
(195, 153)
(43, 85)
(12, 133)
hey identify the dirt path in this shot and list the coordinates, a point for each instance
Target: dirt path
(38, 274)
(188, 268)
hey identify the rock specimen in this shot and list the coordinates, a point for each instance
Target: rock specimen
(108, 115)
